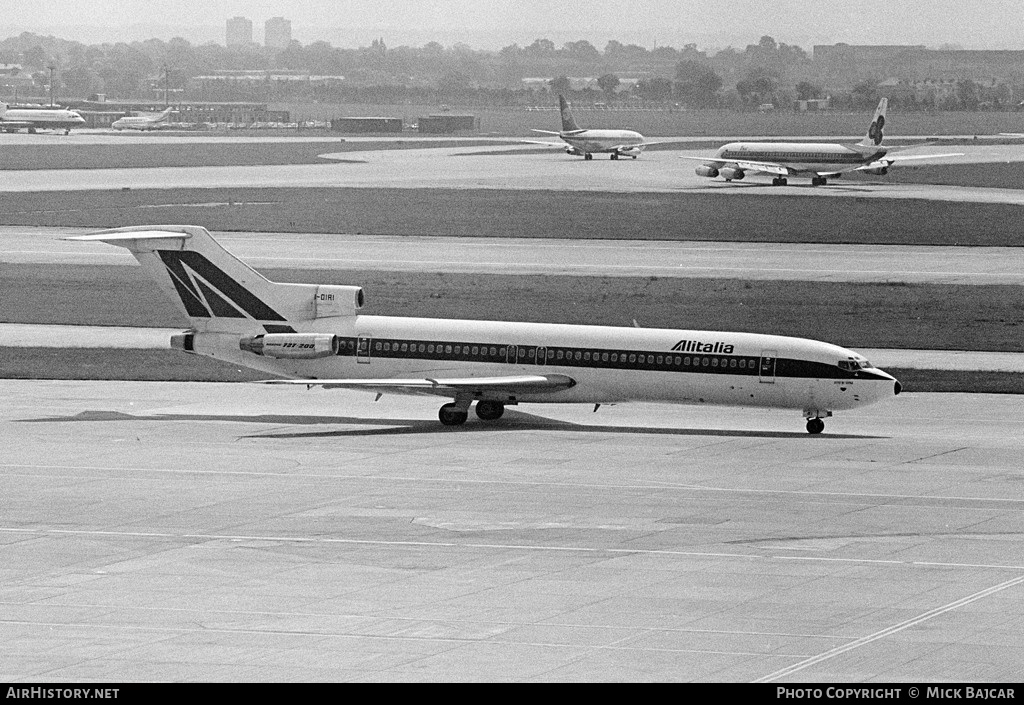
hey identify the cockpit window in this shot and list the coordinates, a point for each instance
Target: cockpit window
(854, 365)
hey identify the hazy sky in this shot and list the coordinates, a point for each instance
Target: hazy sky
(982, 24)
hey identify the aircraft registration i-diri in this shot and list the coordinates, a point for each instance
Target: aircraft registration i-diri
(316, 335)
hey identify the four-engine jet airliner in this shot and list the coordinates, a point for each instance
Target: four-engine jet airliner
(818, 160)
(32, 119)
(315, 335)
(586, 143)
(152, 121)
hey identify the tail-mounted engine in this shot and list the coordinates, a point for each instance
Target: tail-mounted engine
(291, 346)
(330, 301)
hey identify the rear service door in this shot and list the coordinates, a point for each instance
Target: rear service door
(767, 371)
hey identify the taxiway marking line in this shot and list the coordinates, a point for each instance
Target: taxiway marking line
(232, 538)
(888, 631)
(654, 485)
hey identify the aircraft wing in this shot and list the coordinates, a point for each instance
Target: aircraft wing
(560, 145)
(475, 387)
(746, 165)
(891, 161)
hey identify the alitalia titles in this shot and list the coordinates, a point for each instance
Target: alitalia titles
(696, 346)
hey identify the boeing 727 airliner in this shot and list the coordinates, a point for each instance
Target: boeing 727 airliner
(315, 335)
(586, 143)
(819, 160)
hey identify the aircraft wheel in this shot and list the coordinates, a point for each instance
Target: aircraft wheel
(815, 426)
(489, 410)
(783, 181)
(615, 155)
(452, 415)
(775, 181)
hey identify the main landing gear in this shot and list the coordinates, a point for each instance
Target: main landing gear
(588, 156)
(779, 181)
(815, 426)
(455, 414)
(615, 155)
(818, 181)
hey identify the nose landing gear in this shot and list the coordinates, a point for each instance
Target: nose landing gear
(815, 424)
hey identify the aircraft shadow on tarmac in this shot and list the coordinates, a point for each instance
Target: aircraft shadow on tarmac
(512, 421)
(868, 187)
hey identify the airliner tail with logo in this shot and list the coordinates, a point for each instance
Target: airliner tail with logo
(820, 161)
(317, 335)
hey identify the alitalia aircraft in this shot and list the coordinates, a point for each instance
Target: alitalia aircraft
(586, 143)
(315, 335)
(819, 160)
(31, 119)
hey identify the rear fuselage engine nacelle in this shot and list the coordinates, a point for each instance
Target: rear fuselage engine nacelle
(707, 170)
(291, 346)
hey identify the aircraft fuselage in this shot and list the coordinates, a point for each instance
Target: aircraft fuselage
(807, 156)
(608, 364)
(602, 141)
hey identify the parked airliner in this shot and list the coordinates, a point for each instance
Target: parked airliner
(151, 121)
(315, 335)
(586, 143)
(818, 160)
(32, 119)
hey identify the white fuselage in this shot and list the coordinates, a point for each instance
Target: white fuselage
(818, 157)
(599, 141)
(21, 118)
(139, 123)
(608, 364)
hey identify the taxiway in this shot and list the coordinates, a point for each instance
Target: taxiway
(307, 536)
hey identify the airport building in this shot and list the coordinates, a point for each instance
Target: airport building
(238, 32)
(277, 33)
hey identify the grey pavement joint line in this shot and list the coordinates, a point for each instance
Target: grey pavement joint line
(888, 631)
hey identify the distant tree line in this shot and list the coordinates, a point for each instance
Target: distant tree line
(764, 73)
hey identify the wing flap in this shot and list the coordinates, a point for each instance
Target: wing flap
(475, 387)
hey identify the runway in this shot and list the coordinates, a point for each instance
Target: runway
(305, 536)
(756, 261)
(488, 168)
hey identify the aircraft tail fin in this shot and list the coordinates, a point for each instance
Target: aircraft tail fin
(875, 134)
(568, 121)
(216, 290)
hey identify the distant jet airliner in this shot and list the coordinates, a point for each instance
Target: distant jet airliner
(316, 335)
(586, 143)
(151, 121)
(818, 160)
(31, 119)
